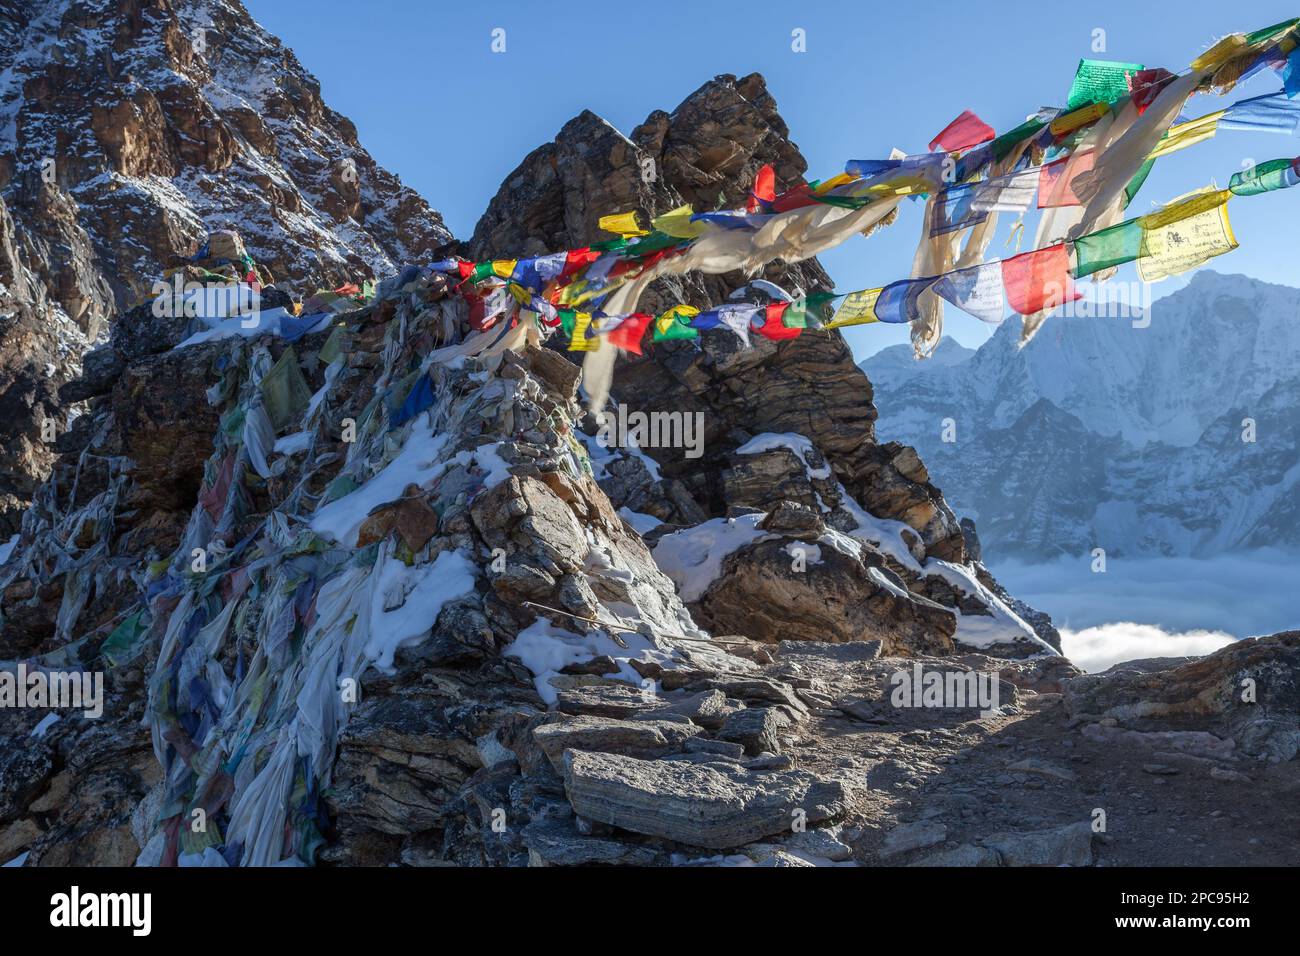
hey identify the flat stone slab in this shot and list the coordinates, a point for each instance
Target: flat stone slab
(637, 738)
(716, 805)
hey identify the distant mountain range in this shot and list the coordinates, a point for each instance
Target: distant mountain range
(1102, 434)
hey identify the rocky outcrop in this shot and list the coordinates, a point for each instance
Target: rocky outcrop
(130, 130)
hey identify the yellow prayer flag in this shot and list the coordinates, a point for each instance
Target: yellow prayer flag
(842, 179)
(1220, 53)
(1188, 134)
(677, 223)
(1185, 235)
(1078, 118)
(623, 224)
(580, 342)
(504, 268)
(858, 308)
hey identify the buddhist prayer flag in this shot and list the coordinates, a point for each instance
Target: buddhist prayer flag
(977, 291)
(628, 333)
(774, 326)
(1054, 180)
(679, 223)
(737, 317)
(1188, 134)
(812, 311)
(580, 341)
(1078, 119)
(897, 301)
(764, 188)
(1100, 81)
(623, 224)
(1107, 248)
(1291, 73)
(673, 324)
(503, 268)
(1038, 281)
(1265, 177)
(858, 308)
(1274, 113)
(965, 131)
(1185, 235)
(1145, 86)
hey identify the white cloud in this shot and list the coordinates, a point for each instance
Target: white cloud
(1243, 595)
(1097, 648)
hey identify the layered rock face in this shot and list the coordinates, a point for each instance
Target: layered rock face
(130, 130)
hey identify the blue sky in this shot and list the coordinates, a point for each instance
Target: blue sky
(433, 103)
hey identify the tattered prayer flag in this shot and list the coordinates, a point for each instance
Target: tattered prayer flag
(774, 326)
(1264, 177)
(897, 301)
(858, 308)
(1100, 81)
(503, 268)
(577, 259)
(1220, 53)
(965, 131)
(977, 291)
(627, 334)
(764, 188)
(1107, 248)
(673, 324)
(1038, 281)
(1185, 234)
(623, 224)
(1274, 113)
(580, 341)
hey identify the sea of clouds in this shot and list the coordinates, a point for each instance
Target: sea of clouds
(1159, 607)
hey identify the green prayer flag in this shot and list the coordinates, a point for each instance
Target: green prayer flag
(1139, 178)
(1100, 81)
(1264, 177)
(811, 311)
(1004, 144)
(285, 391)
(1269, 32)
(119, 647)
(1108, 247)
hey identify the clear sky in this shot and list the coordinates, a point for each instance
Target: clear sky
(433, 103)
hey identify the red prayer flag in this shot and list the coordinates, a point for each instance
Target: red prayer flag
(774, 326)
(575, 259)
(1145, 86)
(764, 188)
(1039, 280)
(964, 132)
(1054, 180)
(630, 331)
(795, 198)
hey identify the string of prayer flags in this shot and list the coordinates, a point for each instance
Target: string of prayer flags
(1273, 113)
(1038, 281)
(965, 131)
(1185, 234)
(622, 224)
(1265, 177)
(1100, 81)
